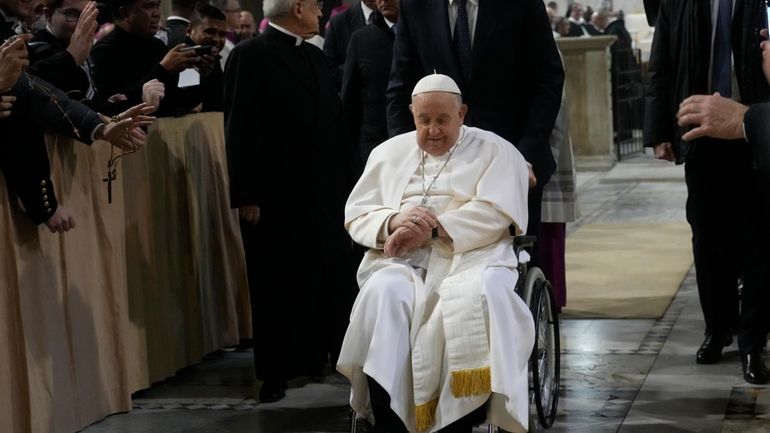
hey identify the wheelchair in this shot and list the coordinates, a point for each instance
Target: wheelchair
(545, 362)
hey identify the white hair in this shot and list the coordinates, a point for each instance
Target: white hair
(277, 8)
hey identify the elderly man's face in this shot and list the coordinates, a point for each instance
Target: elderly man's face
(438, 117)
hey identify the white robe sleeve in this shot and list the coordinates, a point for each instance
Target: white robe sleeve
(500, 200)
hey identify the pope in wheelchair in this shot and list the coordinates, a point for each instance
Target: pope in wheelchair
(438, 340)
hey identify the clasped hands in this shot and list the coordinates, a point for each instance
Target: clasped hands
(409, 230)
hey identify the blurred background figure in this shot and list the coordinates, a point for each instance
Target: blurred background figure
(247, 28)
(575, 13)
(175, 30)
(208, 28)
(365, 78)
(337, 35)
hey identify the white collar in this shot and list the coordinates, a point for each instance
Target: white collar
(473, 2)
(298, 38)
(178, 18)
(50, 30)
(390, 24)
(367, 11)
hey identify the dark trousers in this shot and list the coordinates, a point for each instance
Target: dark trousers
(723, 212)
(299, 310)
(534, 208)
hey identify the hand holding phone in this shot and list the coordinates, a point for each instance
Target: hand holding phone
(199, 49)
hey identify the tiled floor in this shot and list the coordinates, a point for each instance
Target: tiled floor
(627, 376)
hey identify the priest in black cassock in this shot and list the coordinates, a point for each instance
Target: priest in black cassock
(291, 170)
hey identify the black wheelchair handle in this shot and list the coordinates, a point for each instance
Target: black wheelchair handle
(524, 241)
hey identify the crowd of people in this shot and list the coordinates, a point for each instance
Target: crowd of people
(401, 159)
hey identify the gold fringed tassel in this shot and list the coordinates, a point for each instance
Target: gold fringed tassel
(466, 383)
(425, 415)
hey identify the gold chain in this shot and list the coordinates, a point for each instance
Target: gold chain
(55, 99)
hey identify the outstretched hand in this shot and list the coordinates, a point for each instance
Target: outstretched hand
(125, 131)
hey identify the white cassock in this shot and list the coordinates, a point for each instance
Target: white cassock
(441, 328)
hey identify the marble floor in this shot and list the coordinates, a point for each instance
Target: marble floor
(628, 376)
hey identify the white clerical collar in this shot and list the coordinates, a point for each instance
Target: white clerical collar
(298, 38)
(178, 18)
(50, 30)
(367, 11)
(473, 2)
(390, 24)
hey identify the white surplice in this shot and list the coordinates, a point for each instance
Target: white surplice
(422, 320)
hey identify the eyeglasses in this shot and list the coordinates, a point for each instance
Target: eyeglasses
(70, 15)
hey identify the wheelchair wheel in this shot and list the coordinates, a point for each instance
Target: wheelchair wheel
(544, 364)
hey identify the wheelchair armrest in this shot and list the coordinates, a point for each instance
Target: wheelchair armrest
(524, 241)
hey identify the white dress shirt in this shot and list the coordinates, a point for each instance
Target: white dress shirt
(472, 7)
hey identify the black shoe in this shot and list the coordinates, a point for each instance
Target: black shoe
(754, 369)
(272, 391)
(710, 352)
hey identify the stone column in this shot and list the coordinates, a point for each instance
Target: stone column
(588, 87)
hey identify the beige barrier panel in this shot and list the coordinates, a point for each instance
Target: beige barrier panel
(139, 289)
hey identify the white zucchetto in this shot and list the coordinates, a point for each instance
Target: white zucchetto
(436, 83)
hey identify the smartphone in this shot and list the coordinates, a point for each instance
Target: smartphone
(199, 49)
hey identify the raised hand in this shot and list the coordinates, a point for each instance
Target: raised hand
(83, 37)
(13, 60)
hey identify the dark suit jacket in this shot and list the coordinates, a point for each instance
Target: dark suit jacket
(23, 155)
(678, 68)
(287, 154)
(337, 37)
(516, 74)
(758, 135)
(177, 32)
(50, 60)
(364, 83)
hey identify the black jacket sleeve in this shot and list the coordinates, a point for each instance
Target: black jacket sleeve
(58, 67)
(23, 155)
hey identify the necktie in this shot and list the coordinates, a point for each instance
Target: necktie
(721, 67)
(462, 40)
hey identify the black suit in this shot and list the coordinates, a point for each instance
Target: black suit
(516, 75)
(287, 154)
(337, 37)
(364, 83)
(719, 174)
